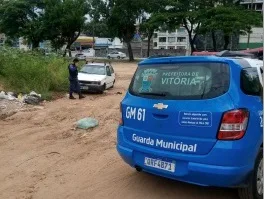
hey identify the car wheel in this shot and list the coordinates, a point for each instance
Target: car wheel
(103, 89)
(108, 57)
(113, 84)
(118, 57)
(255, 187)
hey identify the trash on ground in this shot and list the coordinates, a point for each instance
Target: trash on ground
(34, 100)
(31, 98)
(87, 123)
(119, 93)
(33, 93)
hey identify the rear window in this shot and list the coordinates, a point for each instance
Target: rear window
(250, 83)
(181, 81)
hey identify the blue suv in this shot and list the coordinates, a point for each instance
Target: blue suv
(197, 120)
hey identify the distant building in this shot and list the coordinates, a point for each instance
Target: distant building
(257, 5)
(256, 37)
(177, 39)
(108, 43)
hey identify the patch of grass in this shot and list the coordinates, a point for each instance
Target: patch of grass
(31, 71)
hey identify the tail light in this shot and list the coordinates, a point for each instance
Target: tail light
(234, 125)
(121, 120)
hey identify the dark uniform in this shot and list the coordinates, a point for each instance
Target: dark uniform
(74, 84)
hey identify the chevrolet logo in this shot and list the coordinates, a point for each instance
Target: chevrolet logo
(160, 106)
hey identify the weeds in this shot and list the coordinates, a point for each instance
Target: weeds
(27, 71)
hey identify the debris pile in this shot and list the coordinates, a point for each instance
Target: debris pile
(11, 103)
(31, 98)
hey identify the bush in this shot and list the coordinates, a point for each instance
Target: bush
(26, 71)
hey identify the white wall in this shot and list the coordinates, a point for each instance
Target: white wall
(255, 37)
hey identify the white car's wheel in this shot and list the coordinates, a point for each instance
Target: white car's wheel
(118, 57)
(113, 84)
(103, 89)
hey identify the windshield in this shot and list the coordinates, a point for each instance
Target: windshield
(181, 81)
(93, 69)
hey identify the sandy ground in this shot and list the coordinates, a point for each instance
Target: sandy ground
(42, 156)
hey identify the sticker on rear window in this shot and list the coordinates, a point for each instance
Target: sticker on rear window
(198, 119)
(147, 78)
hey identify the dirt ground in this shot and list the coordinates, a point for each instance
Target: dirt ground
(43, 156)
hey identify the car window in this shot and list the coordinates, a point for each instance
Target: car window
(181, 81)
(111, 69)
(108, 71)
(93, 69)
(249, 81)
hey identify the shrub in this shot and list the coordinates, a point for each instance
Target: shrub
(26, 71)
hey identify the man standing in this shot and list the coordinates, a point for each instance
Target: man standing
(74, 84)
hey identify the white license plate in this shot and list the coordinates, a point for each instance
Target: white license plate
(84, 87)
(159, 164)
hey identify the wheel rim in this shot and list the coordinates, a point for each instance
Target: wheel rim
(260, 178)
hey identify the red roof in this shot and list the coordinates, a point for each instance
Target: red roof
(254, 50)
(204, 53)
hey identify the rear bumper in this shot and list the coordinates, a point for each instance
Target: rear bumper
(191, 172)
(194, 169)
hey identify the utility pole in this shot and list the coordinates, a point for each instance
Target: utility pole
(251, 8)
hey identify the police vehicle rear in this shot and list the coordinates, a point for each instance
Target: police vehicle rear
(196, 120)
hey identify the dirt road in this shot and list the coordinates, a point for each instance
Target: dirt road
(42, 156)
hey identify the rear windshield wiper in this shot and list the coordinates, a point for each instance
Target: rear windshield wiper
(162, 94)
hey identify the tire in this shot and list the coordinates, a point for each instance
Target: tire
(113, 84)
(118, 57)
(103, 89)
(108, 57)
(252, 192)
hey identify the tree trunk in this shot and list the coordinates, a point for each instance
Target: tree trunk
(191, 41)
(35, 44)
(130, 51)
(148, 46)
(226, 40)
(214, 41)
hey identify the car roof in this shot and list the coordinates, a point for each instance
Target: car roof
(177, 59)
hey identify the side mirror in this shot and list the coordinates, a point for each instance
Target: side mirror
(108, 73)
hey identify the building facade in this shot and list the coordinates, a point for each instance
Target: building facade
(177, 39)
(256, 37)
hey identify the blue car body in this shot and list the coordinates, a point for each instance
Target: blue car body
(175, 123)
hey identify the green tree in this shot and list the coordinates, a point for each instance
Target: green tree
(121, 20)
(230, 19)
(148, 26)
(154, 21)
(99, 29)
(64, 21)
(187, 14)
(23, 18)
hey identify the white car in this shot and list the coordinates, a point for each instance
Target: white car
(80, 56)
(96, 77)
(118, 55)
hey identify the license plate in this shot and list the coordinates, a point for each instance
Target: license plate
(159, 164)
(84, 87)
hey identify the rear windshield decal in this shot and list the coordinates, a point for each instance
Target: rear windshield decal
(198, 119)
(148, 76)
(183, 78)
